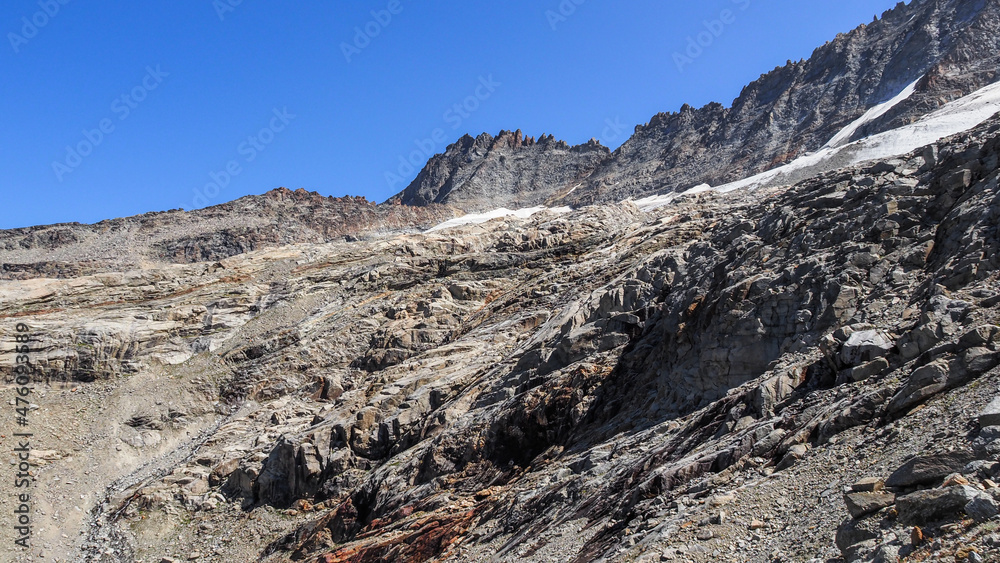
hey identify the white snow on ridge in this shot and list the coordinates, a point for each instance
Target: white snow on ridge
(872, 114)
(698, 189)
(952, 118)
(656, 201)
(478, 218)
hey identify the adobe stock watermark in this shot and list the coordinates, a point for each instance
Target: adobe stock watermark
(428, 146)
(224, 7)
(696, 44)
(32, 25)
(249, 150)
(562, 13)
(612, 132)
(364, 35)
(122, 107)
(24, 478)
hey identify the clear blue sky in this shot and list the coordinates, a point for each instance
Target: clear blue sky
(181, 87)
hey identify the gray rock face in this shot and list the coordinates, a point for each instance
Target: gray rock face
(289, 473)
(929, 505)
(922, 383)
(982, 508)
(864, 346)
(509, 170)
(495, 380)
(990, 416)
(861, 504)
(942, 320)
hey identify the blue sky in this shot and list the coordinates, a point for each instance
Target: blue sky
(118, 107)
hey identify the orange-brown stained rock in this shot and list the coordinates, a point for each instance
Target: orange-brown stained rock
(431, 537)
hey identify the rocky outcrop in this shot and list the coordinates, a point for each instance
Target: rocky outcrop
(511, 170)
(923, 498)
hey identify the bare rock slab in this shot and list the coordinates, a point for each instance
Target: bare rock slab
(990, 416)
(863, 504)
(924, 470)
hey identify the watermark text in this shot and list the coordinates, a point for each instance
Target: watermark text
(713, 29)
(364, 35)
(248, 150)
(33, 24)
(428, 146)
(122, 108)
(23, 476)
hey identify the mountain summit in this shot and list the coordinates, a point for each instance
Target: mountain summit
(510, 170)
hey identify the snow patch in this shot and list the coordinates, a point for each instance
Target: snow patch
(478, 218)
(872, 114)
(952, 118)
(654, 201)
(698, 189)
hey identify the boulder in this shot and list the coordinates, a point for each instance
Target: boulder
(863, 504)
(864, 371)
(978, 361)
(772, 391)
(865, 346)
(932, 505)
(980, 468)
(856, 532)
(887, 554)
(868, 485)
(940, 321)
(922, 383)
(240, 482)
(990, 416)
(794, 454)
(223, 470)
(985, 335)
(929, 469)
(982, 508)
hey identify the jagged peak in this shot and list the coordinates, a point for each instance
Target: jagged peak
(515, 140)
(302, 195)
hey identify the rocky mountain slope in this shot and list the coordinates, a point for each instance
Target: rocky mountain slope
(948, 48)
(511, 170)
(702, 382)
(805, 371)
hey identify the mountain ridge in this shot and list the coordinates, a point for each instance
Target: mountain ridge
(943, 50)
(793, 109)
(276, 217)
